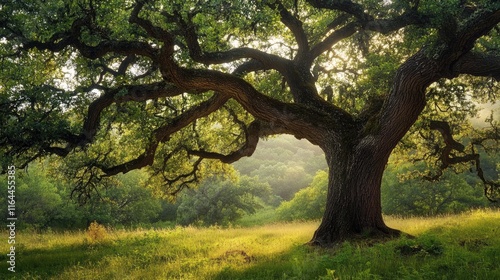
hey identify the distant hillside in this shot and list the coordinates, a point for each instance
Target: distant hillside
(286, 163)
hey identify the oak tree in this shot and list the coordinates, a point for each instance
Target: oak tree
(171, 86)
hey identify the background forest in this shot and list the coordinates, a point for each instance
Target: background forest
(284, 180)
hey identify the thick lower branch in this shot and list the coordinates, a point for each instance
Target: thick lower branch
(490, 187)
(141, 161)
(253, 133)
(162, 134)
(478, 64)
(297, 119)
(138, 93)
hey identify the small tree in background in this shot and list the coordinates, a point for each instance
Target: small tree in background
(415, 196)
(221, 202)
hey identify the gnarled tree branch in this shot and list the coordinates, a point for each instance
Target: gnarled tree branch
(478, 64)
(253, 133)
(446, 158)
(163, 133)
(297, 119)
(294, 25)
(136, 93)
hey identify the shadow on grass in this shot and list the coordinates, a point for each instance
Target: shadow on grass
(300, 262)
(47, 263)
(465, 251)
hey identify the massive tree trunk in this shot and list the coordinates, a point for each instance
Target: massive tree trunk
(353, 201)
(357, 158)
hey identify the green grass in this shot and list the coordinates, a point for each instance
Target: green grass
(262, 217)
(464, 246)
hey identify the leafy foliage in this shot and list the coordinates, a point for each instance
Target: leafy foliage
(413, 195)
(43, 202)
(218, 202)
(308, 203)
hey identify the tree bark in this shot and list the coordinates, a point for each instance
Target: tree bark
(353, 207)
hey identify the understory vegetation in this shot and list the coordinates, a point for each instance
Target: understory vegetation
(242, 226)
(463, 246)
(285, 180)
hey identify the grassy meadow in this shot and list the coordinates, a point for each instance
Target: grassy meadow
(465, 246)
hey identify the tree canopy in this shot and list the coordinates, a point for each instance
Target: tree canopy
(177, 87)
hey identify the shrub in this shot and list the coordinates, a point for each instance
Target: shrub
(308, 203)
(96, 232)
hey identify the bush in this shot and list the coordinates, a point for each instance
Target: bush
(218, 202)
(96, 233)
(308, 203)
(453, 193)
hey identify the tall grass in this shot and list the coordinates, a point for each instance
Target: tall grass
(464, 246)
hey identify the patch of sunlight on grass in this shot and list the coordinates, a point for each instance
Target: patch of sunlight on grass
(30, 240)
(192, 253)
(463, 246)
(418, 225)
